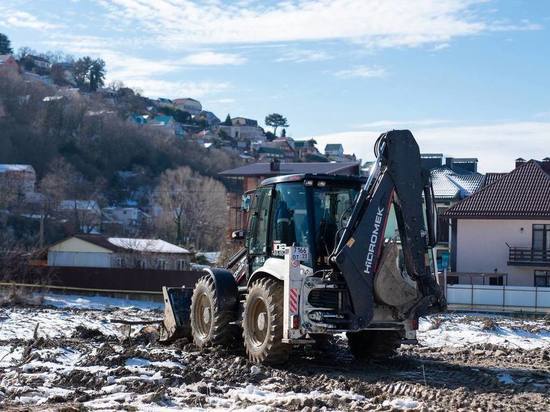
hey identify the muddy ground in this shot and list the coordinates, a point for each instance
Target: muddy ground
(83, 360)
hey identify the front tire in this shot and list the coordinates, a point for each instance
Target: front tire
(263, 323)
(369, 344)
(210, 321)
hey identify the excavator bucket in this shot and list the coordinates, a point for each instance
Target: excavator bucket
(391, 286)
(177, 309)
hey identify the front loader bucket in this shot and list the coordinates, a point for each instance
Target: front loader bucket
(177, 309)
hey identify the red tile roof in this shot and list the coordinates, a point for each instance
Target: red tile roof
(522, 193)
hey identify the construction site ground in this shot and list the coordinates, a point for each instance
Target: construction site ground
(73, 353)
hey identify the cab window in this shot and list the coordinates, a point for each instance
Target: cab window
(258, 224)
(289, 220)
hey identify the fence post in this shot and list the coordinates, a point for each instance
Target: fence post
(536, 297)
(445, 281)
(471, 293)
(503, 297)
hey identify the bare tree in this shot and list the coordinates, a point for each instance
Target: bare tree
(193, 206)
(53, 188)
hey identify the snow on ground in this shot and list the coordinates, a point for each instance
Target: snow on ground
(107, 371)
(460, 330)
(98, 302)
(100, 313)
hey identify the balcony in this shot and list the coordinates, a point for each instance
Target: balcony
(525, 256)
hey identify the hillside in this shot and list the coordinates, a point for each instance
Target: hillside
(84, 146)
(40, 123)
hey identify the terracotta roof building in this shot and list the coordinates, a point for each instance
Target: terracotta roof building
(503, 229)
(524, 192)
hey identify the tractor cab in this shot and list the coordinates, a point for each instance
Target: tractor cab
(307, 211)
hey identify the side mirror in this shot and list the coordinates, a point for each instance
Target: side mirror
(245, 202)
(238, 235)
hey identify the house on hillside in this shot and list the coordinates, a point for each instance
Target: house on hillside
(163, 102)
(270, 153)
(243, 128)
(38, 61)
(245, 178)
(280, 148)
(191, 106)
(305, 149)
(97, 251)
(167, 123)
(209, 118)
(287, 145)
(127, 220)
(17, 179)
(334, 151)
(83, 215)
(502, 231)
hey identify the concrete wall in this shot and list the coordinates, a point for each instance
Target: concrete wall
(481, 247)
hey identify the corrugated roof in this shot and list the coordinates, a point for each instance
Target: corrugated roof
(524, 192)
(118, 244)
(264, 169)
(492, 177)
(448, 184)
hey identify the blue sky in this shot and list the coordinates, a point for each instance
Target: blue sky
(469, 78)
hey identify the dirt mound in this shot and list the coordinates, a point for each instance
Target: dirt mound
(83, 332)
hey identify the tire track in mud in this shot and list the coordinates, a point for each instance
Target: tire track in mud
(441, 379)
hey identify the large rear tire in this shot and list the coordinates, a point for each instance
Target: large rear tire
(369, 344)
(263, 323)
(210, 321)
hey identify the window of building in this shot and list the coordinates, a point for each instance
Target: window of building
(542, 278)
(162, 264)
(452, 280)
(442, 226)
(496, 281)
(181, 264)
(120, 263)
(541, 237)
(140, 263)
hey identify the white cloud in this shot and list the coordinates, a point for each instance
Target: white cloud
(495, 145)
(174, 89)
(394, 124)
(224, 100)
(441, 46)
(145, 74)
(361, 71)
(373, 23)
(209, 58)
(302, 56)
(22, 19)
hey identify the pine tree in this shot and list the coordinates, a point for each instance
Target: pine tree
(5, 44)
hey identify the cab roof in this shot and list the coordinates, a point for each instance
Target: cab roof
(313, 176)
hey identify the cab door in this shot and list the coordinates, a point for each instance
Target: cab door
(258, 228)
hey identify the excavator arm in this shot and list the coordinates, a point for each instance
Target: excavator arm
(396, 178)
